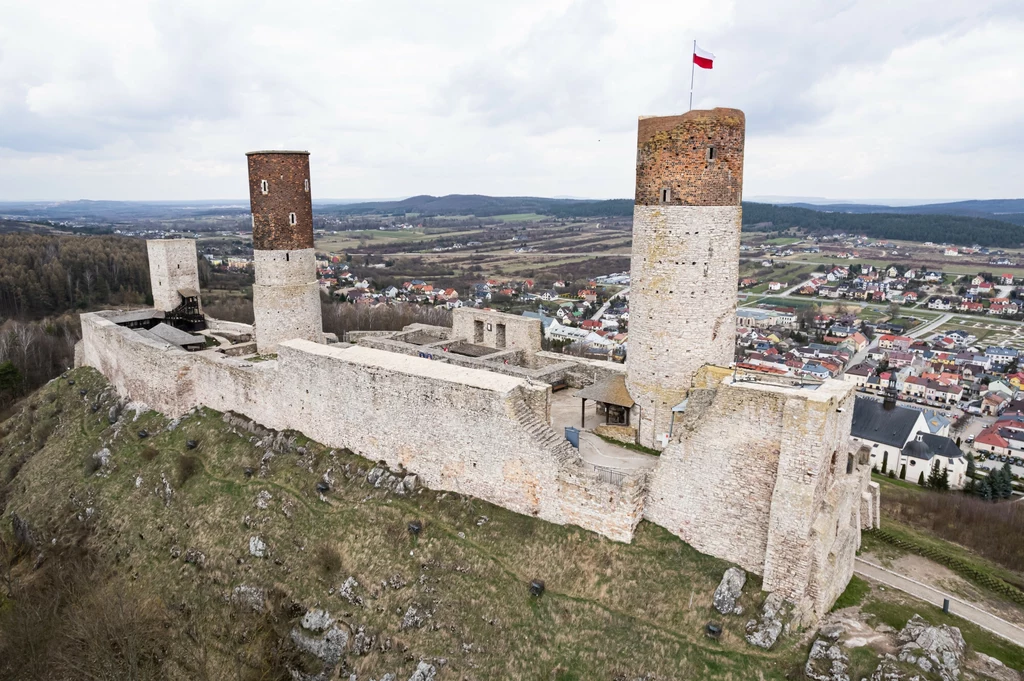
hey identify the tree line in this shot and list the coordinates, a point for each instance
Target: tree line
(954, 229)
(42, 275)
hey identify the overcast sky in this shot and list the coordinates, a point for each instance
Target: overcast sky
(845, 99)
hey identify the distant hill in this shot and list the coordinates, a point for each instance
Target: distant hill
(1005, 210)
(485, 206)
(941, 228)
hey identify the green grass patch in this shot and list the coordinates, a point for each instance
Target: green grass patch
(629, 445)
(853, 595)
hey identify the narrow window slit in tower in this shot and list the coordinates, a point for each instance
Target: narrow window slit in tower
(287, 257)
(291, 219)
(264, 186)
(666, 195)
(711, 153)
(305, 184)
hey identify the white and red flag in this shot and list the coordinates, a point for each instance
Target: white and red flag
(702, 58)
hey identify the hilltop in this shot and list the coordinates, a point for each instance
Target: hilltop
(195, 548)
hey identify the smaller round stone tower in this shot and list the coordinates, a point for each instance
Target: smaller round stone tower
(685, 259)
(286, 295)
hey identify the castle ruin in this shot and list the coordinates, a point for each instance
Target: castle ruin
(753, 469)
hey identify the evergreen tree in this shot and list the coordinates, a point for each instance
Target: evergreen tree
(1006, 481)
(920, 479)
(885, 462)
(934, 476)
(971, 486)
(903, 472)
(985, 488)
(944, 479)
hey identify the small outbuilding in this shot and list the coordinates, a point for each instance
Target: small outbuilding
(611, 394)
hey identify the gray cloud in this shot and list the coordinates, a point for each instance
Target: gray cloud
(160, 98)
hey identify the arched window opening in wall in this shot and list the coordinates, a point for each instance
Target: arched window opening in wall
(305, 184)
(712, 153)
(264, 186)
(666, 195)
(291, 219)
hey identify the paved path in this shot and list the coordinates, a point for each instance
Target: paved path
(608, 303)
(921, 330)
(601, 453)
(971, 613)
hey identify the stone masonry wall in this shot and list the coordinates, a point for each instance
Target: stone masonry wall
(286, 298)
(287, 176)
(682, 305)
(493, 441)
(777, 504)
(483, 327)
(673, 152)
(173, 265)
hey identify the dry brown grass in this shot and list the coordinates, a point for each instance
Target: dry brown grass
(986, 527)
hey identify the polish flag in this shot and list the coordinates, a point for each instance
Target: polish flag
(702, 58)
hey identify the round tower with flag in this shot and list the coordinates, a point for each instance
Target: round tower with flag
(685, 259)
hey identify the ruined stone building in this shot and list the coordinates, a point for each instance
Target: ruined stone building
(754, 470)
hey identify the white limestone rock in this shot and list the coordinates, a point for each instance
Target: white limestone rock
(328, 648)
(257, 547)
(940, 649)
(424, 672)
(249, 597)
(316, 620)
(729, 590)
(772, 621)
(827, 662)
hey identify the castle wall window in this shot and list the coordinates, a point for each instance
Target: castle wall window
(666, 195)
(264, 186)
(291, 219)
(305, 184)
(712, 153)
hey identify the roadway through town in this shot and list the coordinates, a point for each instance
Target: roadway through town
(960, 608)
(608, 303)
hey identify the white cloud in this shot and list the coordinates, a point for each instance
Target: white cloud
(160, 99)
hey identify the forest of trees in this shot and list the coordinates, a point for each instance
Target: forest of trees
(952, 229)
(44, 275)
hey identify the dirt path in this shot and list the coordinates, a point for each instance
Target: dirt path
(969, 612)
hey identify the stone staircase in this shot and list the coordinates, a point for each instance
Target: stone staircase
(543, 433)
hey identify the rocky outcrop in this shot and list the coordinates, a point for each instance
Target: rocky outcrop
(933, 649)
(729, 590)
(772, 621)
(827, 662)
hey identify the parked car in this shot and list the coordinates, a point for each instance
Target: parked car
(970, 439)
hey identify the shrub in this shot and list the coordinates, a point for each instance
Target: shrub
(188, 466)
(92, 464)
(328, 560)
(150, 453)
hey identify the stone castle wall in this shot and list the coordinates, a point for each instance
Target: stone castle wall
(781, 502)
(286, 298)
(496, 329)
(465, 430)
(173, 265)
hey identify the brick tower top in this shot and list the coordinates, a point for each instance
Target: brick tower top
(282, 207)
(695, 159)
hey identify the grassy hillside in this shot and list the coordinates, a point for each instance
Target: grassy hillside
(608, 609)
(139, 564)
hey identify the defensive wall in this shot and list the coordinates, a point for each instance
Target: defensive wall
(465, 430)
(787, 497)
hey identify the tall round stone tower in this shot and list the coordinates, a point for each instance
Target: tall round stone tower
(286, 295)
(685, 259)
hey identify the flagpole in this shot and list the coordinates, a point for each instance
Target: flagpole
(691, 74)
